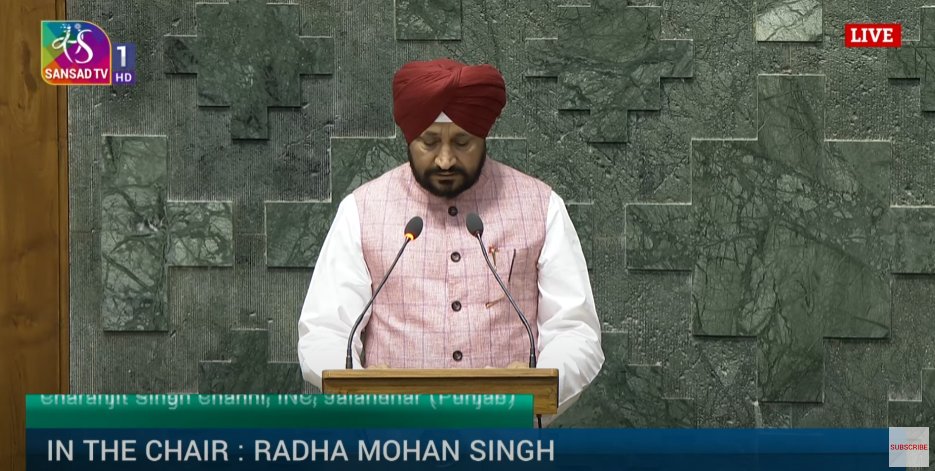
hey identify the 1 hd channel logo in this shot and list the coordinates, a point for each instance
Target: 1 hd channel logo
(80, 53)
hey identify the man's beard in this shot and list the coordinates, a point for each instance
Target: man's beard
(468, 180)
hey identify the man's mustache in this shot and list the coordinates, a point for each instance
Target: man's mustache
(446, 172)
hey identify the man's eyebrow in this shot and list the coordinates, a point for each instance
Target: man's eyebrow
(429, 134)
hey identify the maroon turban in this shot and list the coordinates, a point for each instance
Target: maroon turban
(472, 96)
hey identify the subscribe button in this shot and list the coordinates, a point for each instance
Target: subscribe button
(909, 447)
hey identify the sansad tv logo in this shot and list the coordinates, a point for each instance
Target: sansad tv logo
(75, 53)
(63, 43)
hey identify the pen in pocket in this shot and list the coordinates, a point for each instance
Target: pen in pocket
(509, 277)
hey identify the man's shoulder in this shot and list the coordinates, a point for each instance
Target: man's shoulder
(389, 178)
(522, 178)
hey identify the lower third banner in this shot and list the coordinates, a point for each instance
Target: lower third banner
(475, 449)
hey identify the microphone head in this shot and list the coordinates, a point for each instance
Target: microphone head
(474, 225)
(413, 228)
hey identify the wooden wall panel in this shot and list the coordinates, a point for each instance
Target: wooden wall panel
(33, 224)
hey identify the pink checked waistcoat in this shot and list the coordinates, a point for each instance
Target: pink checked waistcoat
(441, 307)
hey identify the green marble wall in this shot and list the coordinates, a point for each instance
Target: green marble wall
(756, 203)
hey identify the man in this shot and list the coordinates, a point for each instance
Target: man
(441, 307)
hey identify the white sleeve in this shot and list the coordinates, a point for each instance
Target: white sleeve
(339, 289)
(569, 330)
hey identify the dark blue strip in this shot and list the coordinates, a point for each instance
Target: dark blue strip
(577, 449)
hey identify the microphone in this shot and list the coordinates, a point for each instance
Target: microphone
(476, 228)
(413, 230)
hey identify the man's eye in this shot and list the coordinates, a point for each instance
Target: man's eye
(462, 143)
(430, 143)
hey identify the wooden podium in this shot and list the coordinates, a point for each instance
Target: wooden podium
(542, 384)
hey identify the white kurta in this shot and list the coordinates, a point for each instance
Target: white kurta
(569, 329)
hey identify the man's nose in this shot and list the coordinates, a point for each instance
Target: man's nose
(445, 159)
